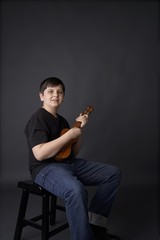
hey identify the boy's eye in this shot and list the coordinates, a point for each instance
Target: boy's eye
(58, 92)
(50, 91)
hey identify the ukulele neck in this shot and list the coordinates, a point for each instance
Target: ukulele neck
(77, 124)
(86, 112)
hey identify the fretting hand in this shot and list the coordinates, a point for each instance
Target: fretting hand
(83, 119)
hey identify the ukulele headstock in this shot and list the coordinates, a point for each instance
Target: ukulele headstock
(88, 110)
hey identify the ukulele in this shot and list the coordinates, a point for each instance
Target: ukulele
(66, 150)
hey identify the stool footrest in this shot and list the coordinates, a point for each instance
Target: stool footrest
(61, 208)
(58, 229)
(31, 223)
(37, 218)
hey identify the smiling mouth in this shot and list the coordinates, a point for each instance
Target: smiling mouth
(55, 101)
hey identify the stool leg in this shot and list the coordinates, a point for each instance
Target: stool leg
(21, 215)
(53, 210)
(45, 217)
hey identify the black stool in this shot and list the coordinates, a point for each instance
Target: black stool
(48, 216)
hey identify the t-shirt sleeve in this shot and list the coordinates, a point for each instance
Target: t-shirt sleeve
(36, 132)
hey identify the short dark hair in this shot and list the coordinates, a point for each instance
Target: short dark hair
(50, 82)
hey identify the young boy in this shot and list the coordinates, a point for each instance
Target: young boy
(68, 177)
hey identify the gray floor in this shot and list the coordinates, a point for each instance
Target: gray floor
(134, 216)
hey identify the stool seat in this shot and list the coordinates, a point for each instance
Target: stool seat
(32, 187)
(48, 214)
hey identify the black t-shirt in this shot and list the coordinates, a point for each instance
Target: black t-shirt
(42, 127)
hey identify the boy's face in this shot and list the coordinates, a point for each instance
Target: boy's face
(52, 97)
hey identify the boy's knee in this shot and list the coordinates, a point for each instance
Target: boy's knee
(115, 173)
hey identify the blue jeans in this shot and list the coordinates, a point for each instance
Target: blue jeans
(67, 180)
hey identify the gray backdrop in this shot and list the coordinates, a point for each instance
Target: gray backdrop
(106, 52)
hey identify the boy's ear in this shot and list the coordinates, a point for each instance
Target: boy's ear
(41, 96)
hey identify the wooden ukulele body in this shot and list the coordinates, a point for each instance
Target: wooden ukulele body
(67, 149)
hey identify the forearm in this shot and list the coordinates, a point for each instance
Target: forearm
(50, 149)
(77, 145)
